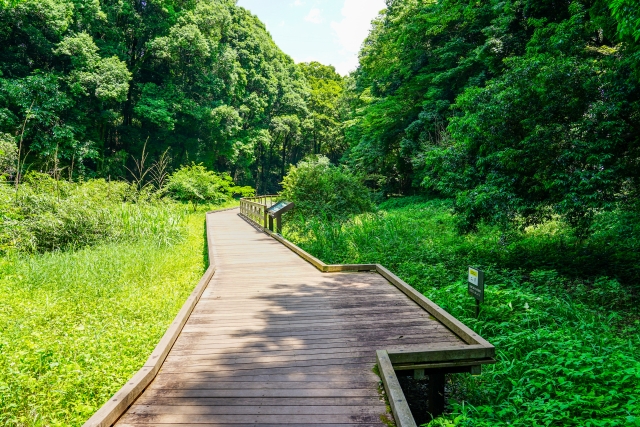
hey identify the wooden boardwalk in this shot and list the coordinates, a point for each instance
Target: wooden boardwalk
(274, 341)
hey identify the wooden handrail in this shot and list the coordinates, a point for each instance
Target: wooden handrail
(255, 208)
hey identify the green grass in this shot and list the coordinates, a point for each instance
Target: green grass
(76, 325)
(567, 338)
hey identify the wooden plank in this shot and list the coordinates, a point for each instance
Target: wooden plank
(340, 370)
(281, 409)
(198, 348)
(254, 418)
(311, 328)
(150, 398)
(358, 424)
(272, 393)
(272, 385)
(231, 364)
(369, 330)
(293, 379)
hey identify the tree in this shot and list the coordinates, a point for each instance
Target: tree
(324, 131)
(202, 78)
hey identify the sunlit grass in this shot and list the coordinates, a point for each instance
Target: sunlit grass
(76, 325)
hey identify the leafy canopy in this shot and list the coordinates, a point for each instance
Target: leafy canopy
(519, 110)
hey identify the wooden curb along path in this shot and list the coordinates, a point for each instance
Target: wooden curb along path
(268, 339)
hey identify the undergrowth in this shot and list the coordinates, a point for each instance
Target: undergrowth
(566, 333)
(76, 325)
(44, 214)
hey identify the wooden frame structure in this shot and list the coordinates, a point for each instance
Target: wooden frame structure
(434, 360)
(255, 208)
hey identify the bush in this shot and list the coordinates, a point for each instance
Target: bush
(319, 188)
(8, 154)
(196, 184)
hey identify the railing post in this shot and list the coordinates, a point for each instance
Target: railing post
(264, 219)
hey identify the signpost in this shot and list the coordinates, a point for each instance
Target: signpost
(276, 212)
(476, 286)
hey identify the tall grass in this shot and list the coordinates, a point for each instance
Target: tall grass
(76, 325)
(567, 338)
(44, 214)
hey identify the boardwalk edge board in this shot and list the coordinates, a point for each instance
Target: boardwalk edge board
(455, 358)
(115, 407)
(399, 406)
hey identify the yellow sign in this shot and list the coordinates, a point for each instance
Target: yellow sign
(476, 283)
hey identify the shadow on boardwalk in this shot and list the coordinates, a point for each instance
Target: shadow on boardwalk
(274, 341)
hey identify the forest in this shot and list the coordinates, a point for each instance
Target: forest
(518, 110)
(502, 134)
(84, 86)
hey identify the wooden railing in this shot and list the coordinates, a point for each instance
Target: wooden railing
(255, 208)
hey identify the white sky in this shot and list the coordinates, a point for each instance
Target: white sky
(327, 31)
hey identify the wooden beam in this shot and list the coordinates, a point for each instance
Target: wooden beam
(437, 353)
(397, 401)
(456, 326)
(473, 365)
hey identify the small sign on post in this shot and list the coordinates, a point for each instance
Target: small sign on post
(275, 212)
(476, 286)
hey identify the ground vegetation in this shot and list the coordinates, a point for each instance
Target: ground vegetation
(566, 334)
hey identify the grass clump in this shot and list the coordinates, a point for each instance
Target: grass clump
(78, 324)
(44, 214)
(566, 332)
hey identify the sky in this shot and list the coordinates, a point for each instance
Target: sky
(327, 31)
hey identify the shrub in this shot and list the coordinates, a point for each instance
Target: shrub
(319, 188)
(196, 184)
(8, 154)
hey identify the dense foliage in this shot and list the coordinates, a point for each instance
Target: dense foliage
(320, 189)
(566, 335)
(519, 110)
(196, 184)
(83, 85)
